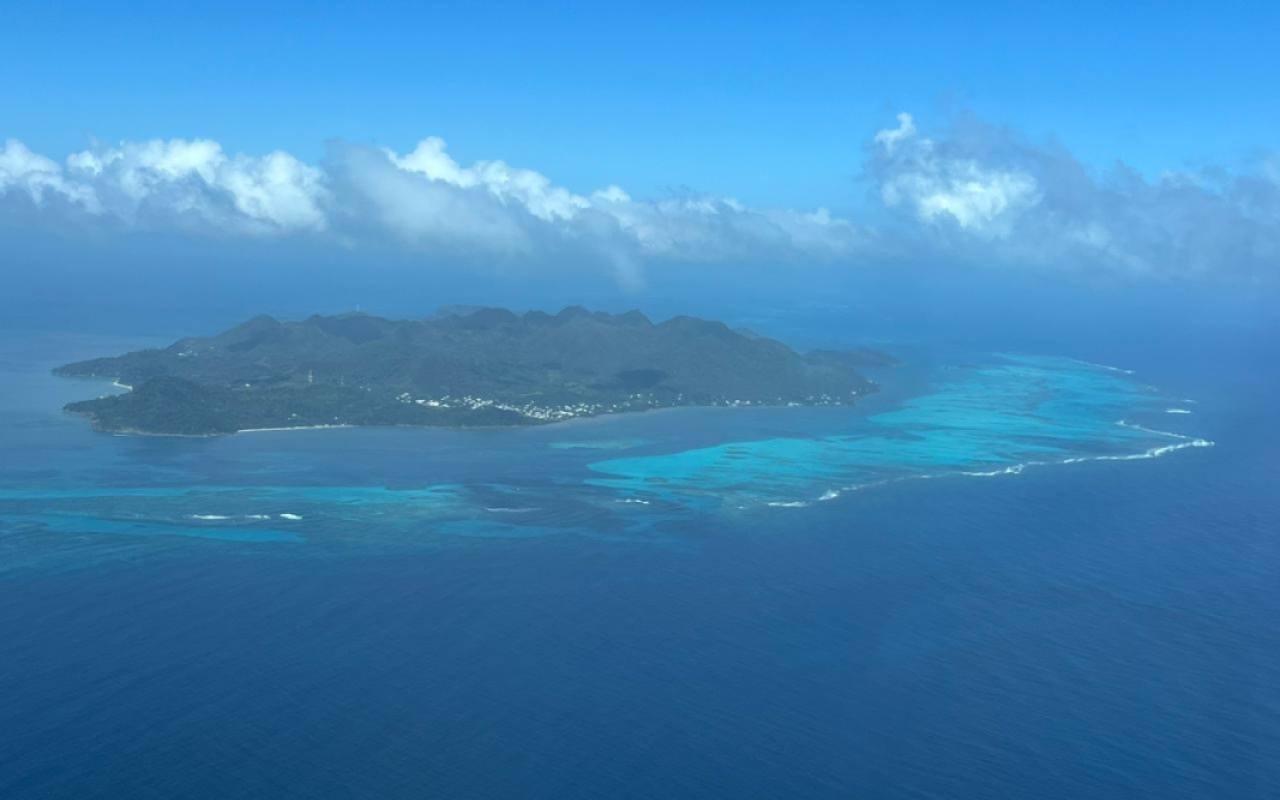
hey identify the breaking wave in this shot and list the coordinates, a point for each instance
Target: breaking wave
(1107, 367)
(1017, 469)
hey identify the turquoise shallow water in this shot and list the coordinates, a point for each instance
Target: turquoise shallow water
(529, 613)
(988, 415)
(980, 420)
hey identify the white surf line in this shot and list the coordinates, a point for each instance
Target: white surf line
(227, 517)
(1101, 366)
(1154, 452)
(1124, 423)
(1017, 469)
(834, 494)
(294, 428)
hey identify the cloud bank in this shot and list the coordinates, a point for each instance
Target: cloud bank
(982, 193)
(972, 193)
(422, 199)
(188, 184)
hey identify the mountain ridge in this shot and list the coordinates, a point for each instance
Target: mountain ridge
(471, 366)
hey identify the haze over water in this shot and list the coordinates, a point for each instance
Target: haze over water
(1040, 562)
(713, 603)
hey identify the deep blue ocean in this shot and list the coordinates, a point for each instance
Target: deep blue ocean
(978, 585)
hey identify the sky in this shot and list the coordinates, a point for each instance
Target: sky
(1110, 142)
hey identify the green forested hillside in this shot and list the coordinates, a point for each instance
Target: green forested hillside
(484, 366)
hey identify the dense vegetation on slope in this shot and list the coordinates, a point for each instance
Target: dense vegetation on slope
(469, 367)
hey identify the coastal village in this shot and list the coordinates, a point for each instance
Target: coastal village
(635, 402)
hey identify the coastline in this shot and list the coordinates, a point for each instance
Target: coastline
(874, 389)
(586, 419)
(304, 428)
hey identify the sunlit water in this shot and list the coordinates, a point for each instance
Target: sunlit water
(619, 476)
(1009, 574)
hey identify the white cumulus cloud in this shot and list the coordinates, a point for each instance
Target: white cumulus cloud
(196, 180)
(423, 199)
(38, 178)
(968, 193)
(426, 197)
(190, 183)
(940, 186)
(978, 193)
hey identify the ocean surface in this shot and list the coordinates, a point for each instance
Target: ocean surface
(1009, 574)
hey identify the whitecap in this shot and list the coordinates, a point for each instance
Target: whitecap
(1108, 367)
(290, 516)
(1136, 427)
(1016, 469)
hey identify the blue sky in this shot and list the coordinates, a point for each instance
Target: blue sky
(765, 101)
(1135, 140)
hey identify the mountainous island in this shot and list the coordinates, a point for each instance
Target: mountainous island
(460, 367)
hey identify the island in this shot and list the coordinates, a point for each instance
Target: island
(460, 367)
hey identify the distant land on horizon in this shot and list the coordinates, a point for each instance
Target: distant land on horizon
(461, 367)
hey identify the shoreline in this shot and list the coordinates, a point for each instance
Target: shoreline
(858, 400)
(299, 428)
(594, 418)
